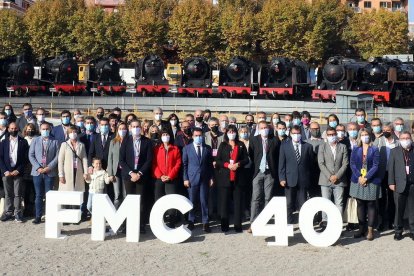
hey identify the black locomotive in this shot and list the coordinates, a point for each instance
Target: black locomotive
(149, 76)
(104, 77)
(196, 77)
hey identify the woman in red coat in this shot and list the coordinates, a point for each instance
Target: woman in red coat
(166, 166)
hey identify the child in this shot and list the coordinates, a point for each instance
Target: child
(97, 181)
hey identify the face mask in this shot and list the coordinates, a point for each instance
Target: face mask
(122, 133)
(13, 133)
(287, 132)
(199, 119)
(30, 133)
(165, 139)
(386, 134)
(353, 133)
(376, 129)
(73, 136)
(65, 120)
(40, 118)
(154, 136)
(224, 124)
(332, 139)
(76, 116)
(214, 129)
(296, 138)
(243, 135)
(3, 122)
(365, 139)
(333, 124)
(80, 124)
(281, 132)
(249, 124)
(28, 113)
(288, 124)
(315, 133)
(261, 120)
(399, 128)
(136, 131)
(45, 133)
(275, 121)
(173, 122)
(187, 131)
(406, 144)
(157, 117)
(231, 136)
(104, 129)
(89, 127)
(296, 122)
(264, 132)
(99, 116)
(305, 121)
(198, 140)
(340, 134)
(360, 119)
(8, 112)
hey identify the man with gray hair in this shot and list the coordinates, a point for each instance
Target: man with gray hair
(232, 120)
(162, 124)
(398, 126)
(199, 120)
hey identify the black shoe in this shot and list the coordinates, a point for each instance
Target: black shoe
(206, 228)
(171, 225)
(37, 220)
(6, 217)
(224, 225)
(142, 229)
(411, 235)
(238, 228)
(398, 236)
(190, 226)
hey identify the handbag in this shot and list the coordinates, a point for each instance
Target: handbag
(351, 214)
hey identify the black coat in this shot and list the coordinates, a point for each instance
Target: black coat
(96, 149)
(223, 157)
(127, 157)
(272, 156)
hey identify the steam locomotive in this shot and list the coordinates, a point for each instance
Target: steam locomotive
(149, 76)
(104, 77)
(196, 77)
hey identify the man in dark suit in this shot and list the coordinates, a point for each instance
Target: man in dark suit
(59, 133)
(26, 117)
(198, 174)
(401, 181)
(184, 137)
(135, 158)
(99, 148)
(305, 130)
(88, 136)
(13, 159)
(295, 165)
(161, 124)
(263, 151)
(199, 121)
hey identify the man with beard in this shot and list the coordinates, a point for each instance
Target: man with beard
(59, 132)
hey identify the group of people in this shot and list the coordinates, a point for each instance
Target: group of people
(228, 169)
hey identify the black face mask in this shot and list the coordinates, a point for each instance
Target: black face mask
(154, 136)
(30, 133)
(199, 119)
(13, 133)
(249, 124)
(387, 134)
(315, 133)
(99, 116)
(187, 131)
(214, 129)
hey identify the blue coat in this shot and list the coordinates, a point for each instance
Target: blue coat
(36, 153)
(58, 133)
(197, 171)
(22, 150)
(372, 164)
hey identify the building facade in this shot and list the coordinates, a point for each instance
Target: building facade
(391, 5)
(108, 5)
(18, 5)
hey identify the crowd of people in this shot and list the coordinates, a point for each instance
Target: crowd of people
(230, 170)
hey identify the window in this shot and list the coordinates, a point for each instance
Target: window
(367, 4)
(385, 5)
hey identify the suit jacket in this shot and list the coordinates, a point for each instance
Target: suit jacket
(58, 133)
(22, 160)
(197, 171)
(87, 141)
(181, 141)
(36, 154)
(396, 169)
(272, 156)
(384, 155)
(127, 157)
(209, 141)
(306, 133)
(96, 149)
(329, 166)
(223, 159)
(372, 164)
(37, 126)
(22, 122)
(113, 158)
(294, 173)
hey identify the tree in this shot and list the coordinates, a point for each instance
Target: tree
(13, 39)
(146, 25)
(194, 28)
(49, 24)
(378, 33)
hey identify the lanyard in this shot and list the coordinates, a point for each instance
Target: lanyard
(406, 157)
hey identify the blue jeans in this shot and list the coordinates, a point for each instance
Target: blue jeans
(42, 185)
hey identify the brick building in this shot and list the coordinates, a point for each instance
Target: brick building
(392, 5)
(18, 5)
(108, 5)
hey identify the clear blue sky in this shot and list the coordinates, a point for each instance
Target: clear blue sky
(411, 11)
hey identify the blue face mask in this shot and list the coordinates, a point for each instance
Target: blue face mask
(360, 119)
(65, 120)
(296, 122)
(89, 127)
(198, 140)
(333, 124)
(376, 129)
(28, 113)
(80, 124)
(399, 128)
(8, 112)
(45, 133)
(281, 132)
(104, 129)
(3, 122)
(243, 135)
(353, 133)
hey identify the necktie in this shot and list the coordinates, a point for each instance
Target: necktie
(103, 141)
(297, 152)
(198, 152)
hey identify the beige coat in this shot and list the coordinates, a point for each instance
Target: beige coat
(65, 167)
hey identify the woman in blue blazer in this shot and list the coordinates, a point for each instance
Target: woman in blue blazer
(365, 182)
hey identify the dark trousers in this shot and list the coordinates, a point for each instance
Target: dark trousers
(402, 200)
(386, 206)
(136, 188)
(199, 193)
(294, 195)
(161, 189)
(13, 188)
(28, 196)
(213, 198)
(225, 198)
(366, 208)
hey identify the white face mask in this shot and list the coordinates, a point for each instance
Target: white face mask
(158, 117)
(275, 121)
(261, 120)
(165, 138)
(122, 132)
(340, 134)
(173, 122)
(264, 132)
(224, 124)
(332, 139)
(365, 139)
(296, 137)
(73, 136)
(40, 118)
(135, 131)
(231, 136)
(406, 144)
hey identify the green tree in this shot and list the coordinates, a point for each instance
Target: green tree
(377, 33)
(146, 26)
(194, 27)
(13, 38)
